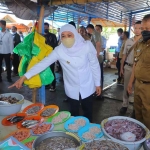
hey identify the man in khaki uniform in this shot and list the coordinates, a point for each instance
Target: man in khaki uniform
(141, 75)
(125, 37)
(96, 40)
(127, 64)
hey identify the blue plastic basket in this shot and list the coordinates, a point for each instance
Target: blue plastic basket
(72, 121)
(86, 129)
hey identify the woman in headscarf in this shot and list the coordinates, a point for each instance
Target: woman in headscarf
(81, 70)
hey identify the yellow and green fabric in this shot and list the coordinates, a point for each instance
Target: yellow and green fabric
(32, 51)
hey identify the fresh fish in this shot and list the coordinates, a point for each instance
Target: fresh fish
(9, 119)
(25, 122)
(17, 119)
(31, 126)
(30, 123)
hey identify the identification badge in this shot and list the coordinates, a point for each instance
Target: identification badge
(138, 50)
(1, 42)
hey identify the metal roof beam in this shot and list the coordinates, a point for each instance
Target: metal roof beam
(122, 5)
(96, 14)
(140, 11)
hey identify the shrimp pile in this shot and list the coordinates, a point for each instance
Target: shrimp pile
(56, 143)
(88, 136)
(29, 144)
(21, 135)
(59, 118)
(103, 145)
(117, 127)
(40, 129)
(77, 124)
(91, 134)
(95, 130)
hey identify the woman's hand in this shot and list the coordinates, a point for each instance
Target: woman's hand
(98, 90)
(18, 83)
(129, 89)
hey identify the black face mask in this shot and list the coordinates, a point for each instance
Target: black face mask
(146, 35)
(46, 30)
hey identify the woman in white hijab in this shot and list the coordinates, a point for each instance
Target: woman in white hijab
(81, 70)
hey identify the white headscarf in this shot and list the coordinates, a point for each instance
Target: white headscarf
(79, 41)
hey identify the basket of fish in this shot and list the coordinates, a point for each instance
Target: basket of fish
(56, 140)
(103, 145)
(74, 124)
(125, 130)
(10, 103)
(90, 132)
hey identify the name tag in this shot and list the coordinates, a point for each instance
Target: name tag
(138, 50)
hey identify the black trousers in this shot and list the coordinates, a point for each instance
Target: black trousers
(6, 57)
(86, 104)
(52, 66)
(118, 65)
(15, 63)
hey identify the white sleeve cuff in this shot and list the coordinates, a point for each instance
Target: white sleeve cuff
(97, 84)
(27, 75)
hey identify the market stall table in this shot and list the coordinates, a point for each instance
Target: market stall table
(6, 130)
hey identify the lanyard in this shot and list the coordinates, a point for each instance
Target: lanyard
(3, 36)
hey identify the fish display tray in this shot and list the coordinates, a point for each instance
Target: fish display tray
(47, 107)
(72, 121)
(57, 134)
(86, 129)
(51, 129)
(33, 105)
(64, 120)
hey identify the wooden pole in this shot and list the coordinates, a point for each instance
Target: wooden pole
(40, 24)
(34, 95)
(41, 16)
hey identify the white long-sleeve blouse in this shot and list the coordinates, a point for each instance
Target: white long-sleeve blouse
(81, 73)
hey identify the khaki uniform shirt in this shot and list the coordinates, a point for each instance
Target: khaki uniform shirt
(142, 57)
(129, 43)
(96, 37)
(122, 49)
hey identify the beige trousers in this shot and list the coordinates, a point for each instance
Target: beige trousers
(127, 75)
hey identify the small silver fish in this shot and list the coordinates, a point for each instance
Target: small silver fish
(25, 122)
(31, 126)
(30, 123)
(9, 119)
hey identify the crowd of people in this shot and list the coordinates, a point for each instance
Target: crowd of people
(133, 69)
(80, 54)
